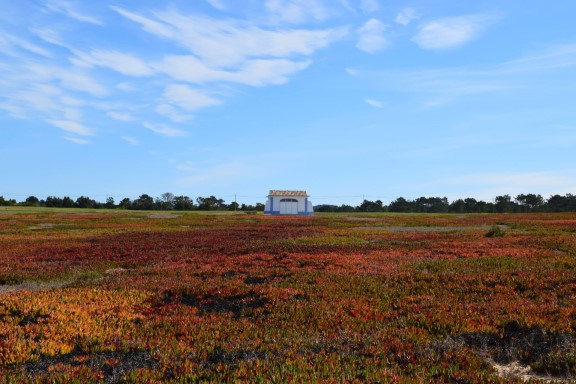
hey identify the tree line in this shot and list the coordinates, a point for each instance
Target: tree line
(167, 201)
(502, 204)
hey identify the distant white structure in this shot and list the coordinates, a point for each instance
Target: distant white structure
(288, 203)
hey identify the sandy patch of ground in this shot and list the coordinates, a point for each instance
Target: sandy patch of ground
(42, 226)
(525, 373)
(45, 285)
(163, 215)
(353, 218)
(33, 286)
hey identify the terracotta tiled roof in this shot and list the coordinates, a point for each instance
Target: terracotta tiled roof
(274, 192)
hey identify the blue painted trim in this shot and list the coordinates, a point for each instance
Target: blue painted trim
(306, 205)
(279, 214)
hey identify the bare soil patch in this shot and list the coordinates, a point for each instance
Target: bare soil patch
(353, 218)
(42, 226)
(33, 286)
(516, 370)
(163, 215)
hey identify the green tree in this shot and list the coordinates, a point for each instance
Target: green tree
(183, 203)
(32, 201)
(458, 206)
(371, 206)
(210, 203)
(85, 202)
(401, 205)
(125, 203)
(144, 202)
(53, 202)
(166, 201)
(470, 205)
(110, 203)
(530, 202)
(503, 204)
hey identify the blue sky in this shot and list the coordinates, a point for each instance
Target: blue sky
(347, 99)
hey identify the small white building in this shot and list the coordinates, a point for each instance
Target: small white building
(288, 203)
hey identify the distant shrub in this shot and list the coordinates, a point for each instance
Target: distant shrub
(495, 231)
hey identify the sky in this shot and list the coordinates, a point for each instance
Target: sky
(346, 99)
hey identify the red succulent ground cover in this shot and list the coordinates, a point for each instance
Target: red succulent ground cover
(228, 298)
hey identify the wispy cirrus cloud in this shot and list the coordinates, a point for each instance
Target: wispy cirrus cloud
(10, 45)
(120, 62)
(218, 4)
(372, 38)
(131, 140)
(71, 10)
(173, 113)
(452, 32)
(72, 127)
(374, 103)
(76, 140)
(555, 57)
(188, 98)
(229, 43)
(437, 87)
(164, 130)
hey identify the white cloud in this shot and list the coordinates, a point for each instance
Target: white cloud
(8, 42)
(40, 97)
(50, 36)
(131, 140)
(374, 103)
(229, 43)
(557, 57)
(173, 113)
(217, 4)
(76, 140)
(190, 69)
(369, 6)
(165, 130)
(71, 114)
(267, 72)
(118, 61)
(188, 98)
(72, 101)
(453, 32)
(80, 82)
(406, 16)
(121, 116)
(352, 71)
(187, 166)
(151, 26)
(297, 11)
(68, 9)
(372, 37)
(126, 87)
(72, 127)
(252, 72)
(442, 86)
